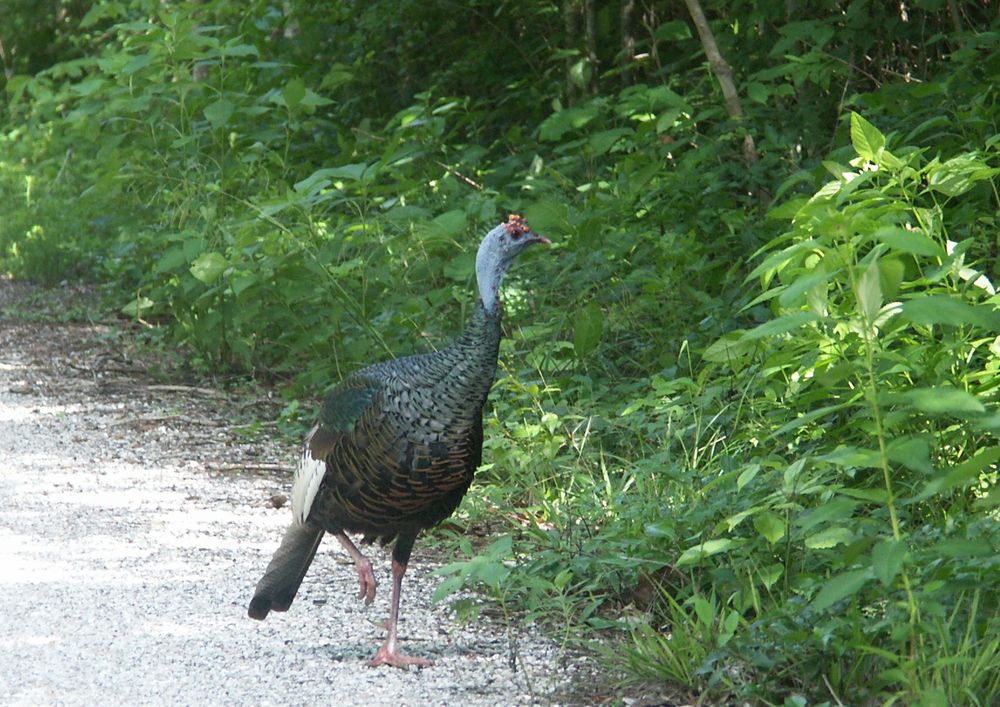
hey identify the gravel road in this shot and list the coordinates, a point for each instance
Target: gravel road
(131, 537)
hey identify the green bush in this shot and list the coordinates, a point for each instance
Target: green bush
(749, 448)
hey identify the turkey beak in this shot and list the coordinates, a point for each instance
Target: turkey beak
(540, 239)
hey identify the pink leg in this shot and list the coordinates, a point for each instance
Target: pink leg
(366, 577)
(388, 653)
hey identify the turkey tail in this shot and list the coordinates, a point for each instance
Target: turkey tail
(284, 574)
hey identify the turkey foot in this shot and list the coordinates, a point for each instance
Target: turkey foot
(366, 575)
(387, 656)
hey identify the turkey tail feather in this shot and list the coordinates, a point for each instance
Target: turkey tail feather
(284, 574)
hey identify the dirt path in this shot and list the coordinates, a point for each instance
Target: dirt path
(126, 562)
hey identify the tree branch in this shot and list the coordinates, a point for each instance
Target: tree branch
(723, 73)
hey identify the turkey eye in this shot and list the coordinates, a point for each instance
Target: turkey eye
(516, 235)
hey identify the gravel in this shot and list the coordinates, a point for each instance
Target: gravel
(131, 539)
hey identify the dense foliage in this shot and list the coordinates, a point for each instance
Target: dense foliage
(746, 427)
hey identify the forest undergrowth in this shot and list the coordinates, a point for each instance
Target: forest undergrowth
(744, 436)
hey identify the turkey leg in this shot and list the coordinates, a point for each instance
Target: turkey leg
(388, 654)
(366, 576)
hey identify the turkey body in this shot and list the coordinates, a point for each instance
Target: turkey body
(395, 449)
(401, 440)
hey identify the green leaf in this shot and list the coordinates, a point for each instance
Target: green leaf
(358, 171)
(887, 560)
(137, 63)
(580, 73)
(890, 273)
(840, 587)
(448, 586)
(730, 348)
(870, 495)
(770, 526)
(747, 475)
(829, 537)
(781, 325)
(207, 267)
(949, 311)
(808, 417)
(866, 138)
(959, 174)
(771, 574)
(314, 100)
(960, 547)
(293, 93)
(172, 259)
(704, 610)
(587, 328)
(547, 216)
(912, 242)
(450, 224)
(673, 31)
(960, 475)
(240, 50)
(943, 400)
(661, 529)
(137, 307)
(838, 508)
(794, 293)
(459, 267)
(218, 113)
(791, 475)
(758, 92)
(706, 549)
(602, 141)
(853, 457)
(911, 452)
(869, 293)
(561, 122)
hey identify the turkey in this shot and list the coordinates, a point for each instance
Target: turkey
(394, 450)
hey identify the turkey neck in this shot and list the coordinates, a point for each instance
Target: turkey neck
(472, 357)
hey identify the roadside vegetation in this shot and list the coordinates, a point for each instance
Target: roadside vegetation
(745, 433)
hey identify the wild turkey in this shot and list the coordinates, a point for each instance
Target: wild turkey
(395, 449)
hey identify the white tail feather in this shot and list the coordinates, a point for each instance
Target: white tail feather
(308, 476)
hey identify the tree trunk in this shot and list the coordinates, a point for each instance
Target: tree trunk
(570, 25)
(723, 73)
(590, 29)
(628, 42)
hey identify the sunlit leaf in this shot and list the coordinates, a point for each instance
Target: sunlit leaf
(960, 475)
(959, 174)
(780, 325)
(943, 400)
(797, 290)
(731, 348)
(706, 549)
(912, 242)
(137, 306)
(770, 526)
(869, 292)
(947, 310)
(866, 138)
(829, 537)
(207, 267)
